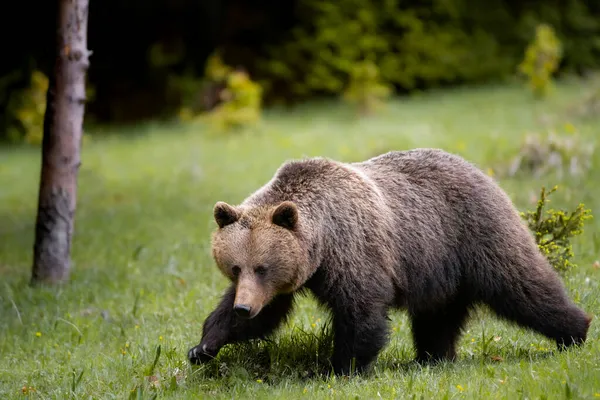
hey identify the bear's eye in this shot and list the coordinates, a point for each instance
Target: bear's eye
(260, 270)
(235, 270)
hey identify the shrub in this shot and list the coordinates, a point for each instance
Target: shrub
(27, 108)
(226, 98)
(577, 24)
(215, 69)
(542, 58)
(553, 230)
(365, 88)
(199, 94)
(419, 45)
(241, 106)
(411, 45)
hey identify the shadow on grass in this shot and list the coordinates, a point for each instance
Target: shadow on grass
(304, 356)
(300, 355)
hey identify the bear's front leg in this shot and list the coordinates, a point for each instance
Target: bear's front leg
(360, 334)
(223, 326)
(216, 330)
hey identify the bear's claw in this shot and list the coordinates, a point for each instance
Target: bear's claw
(201, 354)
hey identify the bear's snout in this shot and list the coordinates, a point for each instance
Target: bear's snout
(250, 298)
(242, 310)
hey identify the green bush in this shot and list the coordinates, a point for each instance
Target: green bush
(542, 58)
(365, 89)
(576, 24)
(27, 108)
(421, 44)
(239, 98)
(553, 230)
(241, 106)
(412, 46)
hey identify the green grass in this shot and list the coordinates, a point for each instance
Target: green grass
(143, 276)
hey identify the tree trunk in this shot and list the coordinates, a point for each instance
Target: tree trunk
(63, 125)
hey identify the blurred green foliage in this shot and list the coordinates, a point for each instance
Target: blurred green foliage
(239, 100)
(542, 58)
(410, 45)
(553, 230)
(241, 106)
(365, 89)
(302, 49)
(27, 107)
(576, 24)
(421, 45)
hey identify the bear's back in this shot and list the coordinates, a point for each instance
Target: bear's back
(432, 190)
(423, 165)
(398, 179)
(313, 181)
(437, 176)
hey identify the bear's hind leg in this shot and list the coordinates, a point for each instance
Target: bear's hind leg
(539, 301)
(436, 331)
(223, 326)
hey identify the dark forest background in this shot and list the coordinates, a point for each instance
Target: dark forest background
(148, 56)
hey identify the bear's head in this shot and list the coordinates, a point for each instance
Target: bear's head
(259, 249)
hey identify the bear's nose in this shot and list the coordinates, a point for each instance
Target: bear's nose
(242, 310)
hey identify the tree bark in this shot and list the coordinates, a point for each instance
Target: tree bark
(63, 125)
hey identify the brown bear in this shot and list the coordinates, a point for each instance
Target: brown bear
(422, 230)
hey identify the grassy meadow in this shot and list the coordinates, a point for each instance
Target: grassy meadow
(143, 276)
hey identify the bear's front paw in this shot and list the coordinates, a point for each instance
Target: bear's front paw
(201, 354)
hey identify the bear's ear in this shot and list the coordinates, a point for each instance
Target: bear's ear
(225, 214)
(286, 215)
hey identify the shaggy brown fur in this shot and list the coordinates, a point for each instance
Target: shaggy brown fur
(422, 230)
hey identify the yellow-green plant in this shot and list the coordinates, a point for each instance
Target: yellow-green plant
(197, 94)
(365, 88)
(241, 99)
(28, 107)
(241, 103)
(542, 58)
(215, 68)
(553, 230)
(229, 98)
